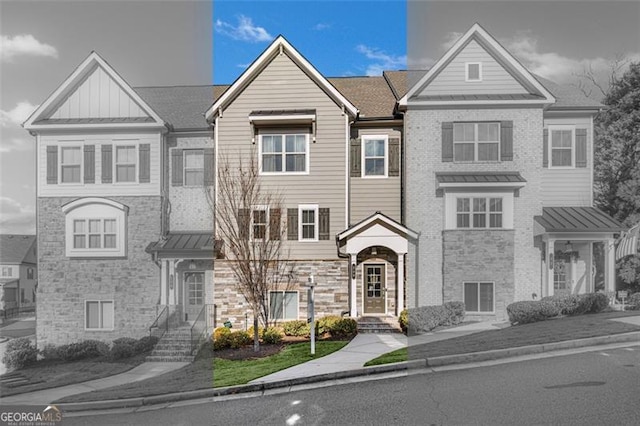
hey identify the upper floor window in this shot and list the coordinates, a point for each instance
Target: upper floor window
(193, 167)
(473, 71)
(374, 156)
(562, 147)
(259, 223)
(125, 163)
(308, 222)
(30, 273)
(479, 212)
(7, 271)
(284, 153)
(476, 141)
(70, 164)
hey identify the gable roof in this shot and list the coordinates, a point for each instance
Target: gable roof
(279, 45)
(478, 34)
(17, 248)
(372, 96)
(139, 113)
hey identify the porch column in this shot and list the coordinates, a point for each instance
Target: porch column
(400, 278)
(163, 282)
(353, 306)
(550, 261)
(172, 282)
(610, 266)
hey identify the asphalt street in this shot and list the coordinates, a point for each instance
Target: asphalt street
(591, 388)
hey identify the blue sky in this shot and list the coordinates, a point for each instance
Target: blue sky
(340, 38)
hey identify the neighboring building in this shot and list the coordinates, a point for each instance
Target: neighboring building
(500, 183)
(18, 271)
(126, 231)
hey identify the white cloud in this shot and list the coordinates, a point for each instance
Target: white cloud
(321, 26)
(382, 60)
(420, 63)
(450, 39)
(17, 115)
(24, 44)
(16, 218)
(244, 31)
(15, 144)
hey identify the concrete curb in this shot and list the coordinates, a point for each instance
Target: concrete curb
(233, 390)
(633, 336)
(365, 371)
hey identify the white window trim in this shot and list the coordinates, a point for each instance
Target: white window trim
(100, 302)
(476, 142)
(266, 226)
(363, 140)
(95, 208)
(283, 310)
(493, 297)
(9, 270)
(451, 209)
(315, 208)
(283, 173)
(552, 128)
(125, 143)
(184, 167)
(466, 72)
(81, 148)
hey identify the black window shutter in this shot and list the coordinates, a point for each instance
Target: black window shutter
(506, 141)
(274, 224)
(209, 167)
(355, 153)
(394, 156)
(324, 225)
(545, 148)
(447, 141)
(89, 164)
(144, 151)
(292, 224)
(244, 222)
(176, 167)
(52, 164)
(107, 164)
(581, 147)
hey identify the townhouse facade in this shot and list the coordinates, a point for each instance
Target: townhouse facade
(387, 201)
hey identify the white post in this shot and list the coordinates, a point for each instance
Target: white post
(163, 282)
(400, 278)
(353, 306)
(173, 282)
(312, 315)
(610, 266)
(550, 264)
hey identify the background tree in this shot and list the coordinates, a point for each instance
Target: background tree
(248, 220)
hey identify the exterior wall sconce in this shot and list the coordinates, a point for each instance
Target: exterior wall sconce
(192, 265)
(170, 282)
(374, 251)
(353, 271)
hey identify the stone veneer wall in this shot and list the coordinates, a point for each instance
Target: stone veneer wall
(331, 294)
(64, 284)
(475, 256)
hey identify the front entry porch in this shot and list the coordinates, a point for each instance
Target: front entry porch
(376, 249)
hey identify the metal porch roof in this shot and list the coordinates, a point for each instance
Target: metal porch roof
(479, 177)
(186, 242)
(577, 219)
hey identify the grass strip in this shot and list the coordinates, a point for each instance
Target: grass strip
(398, 355)
(229, 373)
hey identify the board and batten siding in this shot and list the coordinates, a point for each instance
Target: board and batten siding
(569, 187)
(282, 85)
(495, 79)
(369, 195)
(99, 189)
(99, 96)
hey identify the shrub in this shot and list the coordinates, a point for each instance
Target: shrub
(221, 338)
(83, 350)
(221, 331)
(528, 311)
(633, 302)
(50, 352)
(239, 339)
(260, 331)
(326, 324)
(272, 336)
(403, 320)
(19, 353)
(598, 302)
(298, 328)
(124, 347)
(145, 344)
(344, 328)
(455, 312)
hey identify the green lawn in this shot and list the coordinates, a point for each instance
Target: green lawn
(398, 355)
(205, 374)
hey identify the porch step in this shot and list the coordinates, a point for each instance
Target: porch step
(378, 325)
(174, 346)
(154, 358)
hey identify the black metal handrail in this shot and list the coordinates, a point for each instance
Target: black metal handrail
(200, 326)
(161, 324)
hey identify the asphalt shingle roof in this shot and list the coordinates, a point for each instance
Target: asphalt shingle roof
(15, 248)
(371, 95)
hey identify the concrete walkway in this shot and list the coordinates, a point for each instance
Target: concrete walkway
(365, 347)
(143, 371)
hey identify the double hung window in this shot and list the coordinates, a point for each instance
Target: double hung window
(374, 156)
(193, 167)
(308, 222)
(284, 153)
(259, 223)
(125, 163)
(99, 315)
(562, 147)
(476, 141)
(70, 164)
(478, 296)
(479, 212)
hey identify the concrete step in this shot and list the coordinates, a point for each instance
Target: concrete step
(183, 358)
(171, 352)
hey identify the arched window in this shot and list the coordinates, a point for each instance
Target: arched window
(95, 227)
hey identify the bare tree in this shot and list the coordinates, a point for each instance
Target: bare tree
(248, 220)
(594, 84)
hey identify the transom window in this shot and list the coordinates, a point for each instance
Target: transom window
(193, 167)
(126, 163)
(284, 153)
(308, 222)
(94, 233)
(374, 156)
(283, 305)
(562, 147)
(476, 141)
(478, 296)
(99, 314)
(479, 212)
(70, 164)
